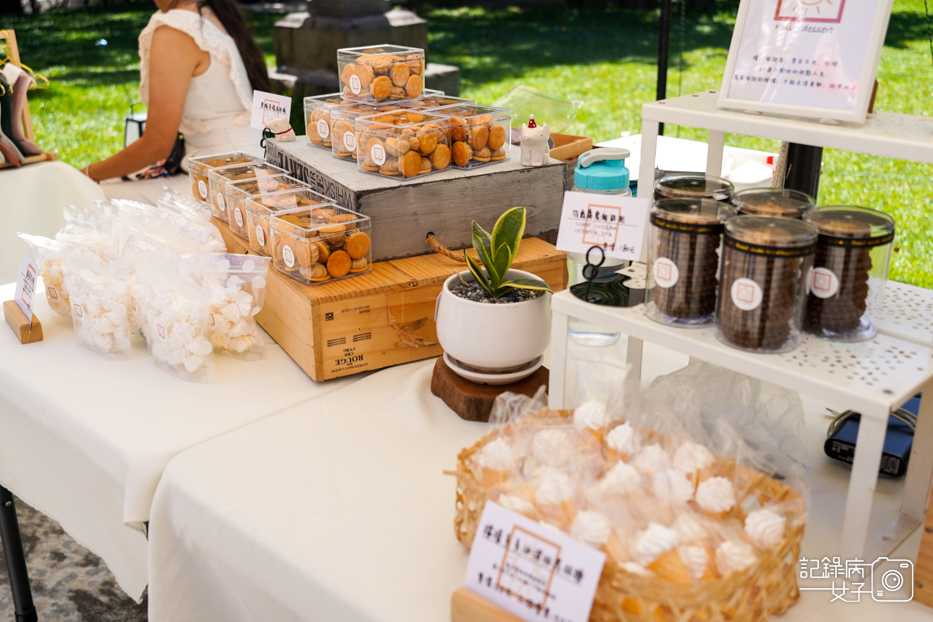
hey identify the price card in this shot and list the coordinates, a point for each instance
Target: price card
(268, 106)
(26, 285)
(615, 223)
(532, 570)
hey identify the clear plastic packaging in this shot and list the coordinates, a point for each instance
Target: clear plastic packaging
(683, 260)
(436, 99)
(343, 119)
(259, 210)
(218, 179)
(99, 299)
(850, 267)
(318, 244)
(173, 200)
(239, 192)
(773, 202)
(379, 73)
(182, 230)
(318, 118)
(178, 322)
(693, 187)
(403, 144)
(236, 286)
(524, 101)
(765, 261)
(199, 167)
(479, 135)
(48, 254)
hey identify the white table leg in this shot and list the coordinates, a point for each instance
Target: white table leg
(717, 142)
(649, 156)
(558, 372)
(920, 467)
(633, 356)
(864, 476)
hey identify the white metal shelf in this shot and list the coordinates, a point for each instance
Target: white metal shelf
(872, 377)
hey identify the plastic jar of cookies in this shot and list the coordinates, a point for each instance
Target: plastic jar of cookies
(198, 169)
(478, 134)
(850, 267)
(260, 208)
(762, 282)
(380, 73)
(218, 179)
(693, 187)
(683, 260)
(319, 244)
(237, 192)
(403, 144)
(773, 202)
(318, 118)
(343, 123)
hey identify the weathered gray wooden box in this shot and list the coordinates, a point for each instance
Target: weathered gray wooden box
(404, 212)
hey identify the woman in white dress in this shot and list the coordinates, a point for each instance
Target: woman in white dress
(198, 68)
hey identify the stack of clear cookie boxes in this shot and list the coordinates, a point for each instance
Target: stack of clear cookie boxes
(403, 143)
(478, 134)
(239, 192)
(218, 179)
(319, 244)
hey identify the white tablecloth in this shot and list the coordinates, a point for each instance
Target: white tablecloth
(31, 200)
(343, 513)
(85, 440)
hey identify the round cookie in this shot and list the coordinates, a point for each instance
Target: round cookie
(381, 87)
(414, 86)
(496, 138)
(357, 244)
(462, 153)
(479, 136)
(338, 264)
(441, 157)
(410, 164)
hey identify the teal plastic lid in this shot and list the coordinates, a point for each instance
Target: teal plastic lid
(602, 169)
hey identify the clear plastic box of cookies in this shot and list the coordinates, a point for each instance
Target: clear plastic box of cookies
(479, 135)
(402, 144)
(218, 179)
(238, 192)
(342, 121)
(200, 166)
(318, 119)
(320, 244)
(436, 99)
(260, 208)
(380, 73)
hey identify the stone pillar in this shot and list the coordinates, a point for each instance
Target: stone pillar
(306, 44)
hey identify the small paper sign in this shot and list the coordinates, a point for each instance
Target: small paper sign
(532, 570)
(26, 285)
(615, 223)
(268, 106)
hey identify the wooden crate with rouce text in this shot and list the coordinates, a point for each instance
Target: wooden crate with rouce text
(374, 320)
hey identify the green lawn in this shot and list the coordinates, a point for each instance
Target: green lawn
(602, 55)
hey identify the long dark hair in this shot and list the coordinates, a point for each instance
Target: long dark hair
(229, 15)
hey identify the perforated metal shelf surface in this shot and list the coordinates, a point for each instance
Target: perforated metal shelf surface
(907, 313)
(879, 374)
(900, 136)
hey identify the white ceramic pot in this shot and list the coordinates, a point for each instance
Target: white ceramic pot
(492, 336)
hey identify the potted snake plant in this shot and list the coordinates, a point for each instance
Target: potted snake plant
(493, 320)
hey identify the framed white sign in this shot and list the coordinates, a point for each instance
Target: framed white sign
(805, 58)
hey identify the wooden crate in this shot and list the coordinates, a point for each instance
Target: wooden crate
(374, 320)
(404, 212)
(569, 147)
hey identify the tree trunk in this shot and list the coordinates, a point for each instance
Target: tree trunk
(11, 7)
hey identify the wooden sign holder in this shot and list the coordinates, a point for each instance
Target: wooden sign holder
(8, 43)
(25, 331)
(467, 606)
(923, 569)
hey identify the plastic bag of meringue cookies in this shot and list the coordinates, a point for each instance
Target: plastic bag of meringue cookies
(693, 528)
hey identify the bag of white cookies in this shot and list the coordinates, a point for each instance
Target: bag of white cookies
(48, 254)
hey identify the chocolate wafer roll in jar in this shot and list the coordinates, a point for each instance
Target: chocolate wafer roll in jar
(773, 202)
(846, 284)
(683, 260)
(693, 187)
(762, 285)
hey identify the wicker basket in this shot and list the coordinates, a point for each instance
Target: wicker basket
(769, 587)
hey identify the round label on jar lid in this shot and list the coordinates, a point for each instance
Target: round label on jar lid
(665, 272)
(260, 235)
(221, 203)
(746, 294)
(822, 282)
(349, 141)
(355, 85)
(288, 255)
(378, 154)
(238, 216)
(202, 189)
(323, 128)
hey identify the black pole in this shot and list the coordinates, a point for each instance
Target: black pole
(802, 168)
(23, 606)
(664, 39)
